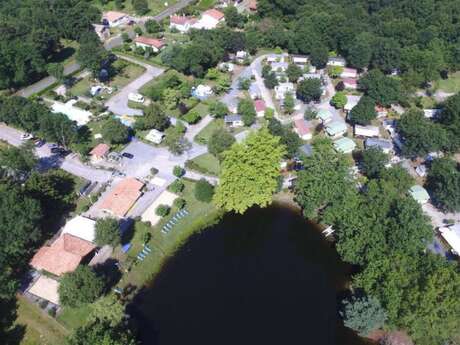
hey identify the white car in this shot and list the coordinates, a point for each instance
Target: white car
(26, 136)
(136, 97)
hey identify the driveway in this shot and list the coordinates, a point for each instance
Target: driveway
(118, 104)
(46, 82)
(47, 160)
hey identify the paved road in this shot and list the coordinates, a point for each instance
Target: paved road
(116, 41)
(46, 82)
(118, 104)
(47, 160)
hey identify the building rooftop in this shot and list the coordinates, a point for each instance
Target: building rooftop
(336, 127)
(122, 197)
(419, 193)
(81, 227)
(302, 127)
(324, 114)
(344, 145)
(381, 143)
(217, 15)
(154, 42)
(259, 104)
(452, 236)
(64, 255)
(100, 150)
(46, 288)
(112, 16)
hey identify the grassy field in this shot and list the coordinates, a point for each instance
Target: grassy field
(40, 329)
(164, 245)
(155, 6)
(125, 76)
(72, 318)
(205, 134)
(207, 164)
(452, 84)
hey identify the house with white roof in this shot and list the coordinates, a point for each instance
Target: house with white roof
(452, 236)
(155, 136)
(352, 101)
(336, 129)
(350, 83)
(299, 60)
(81, 227)
(367, 131)
(336, 61)
(282, 89)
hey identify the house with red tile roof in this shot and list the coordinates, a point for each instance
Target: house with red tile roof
(302, 129)
(99, 152)
(154, 43)
(122, 197)
(182, 23)
(350, 83)
(210, 19)
(115, 18)
(64, 255)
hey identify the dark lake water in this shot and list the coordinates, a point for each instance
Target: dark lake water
(267, 277)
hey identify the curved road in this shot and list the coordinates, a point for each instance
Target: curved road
(118, 104)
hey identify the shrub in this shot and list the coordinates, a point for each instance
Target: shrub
(204, 191)
(107, 232)
(178, 171)
(177, 186)
(162, 210)
(179, 203)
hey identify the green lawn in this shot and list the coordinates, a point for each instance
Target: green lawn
(125, 76)
(164, 245)
(40, 328)
(206, 164)
(72, 318)
(452, 84)
(155, 6)
(81, 87)
(205, 134)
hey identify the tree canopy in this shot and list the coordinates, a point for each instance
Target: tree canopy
(444, 184)
(221, 140)
(249, 172)
(107, 232)
(309, 90)
(101, 333)
(363, 314)
(80, 287)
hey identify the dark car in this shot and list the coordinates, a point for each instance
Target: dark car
(39, 143)
(127, 155)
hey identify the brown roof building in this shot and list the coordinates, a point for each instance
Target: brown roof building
(63, 256)
(122, 197)
(100, 151)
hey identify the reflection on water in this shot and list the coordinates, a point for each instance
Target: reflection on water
(267, 277)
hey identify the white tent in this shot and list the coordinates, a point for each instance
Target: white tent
(81, 227)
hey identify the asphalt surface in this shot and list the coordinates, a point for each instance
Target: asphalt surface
(47, 160)
(118, 103)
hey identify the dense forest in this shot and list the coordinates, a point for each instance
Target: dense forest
(31, 33)
(421, 39)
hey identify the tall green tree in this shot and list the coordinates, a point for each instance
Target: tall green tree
(373, 161)
(107, 232)
(293, 72)
(91, 53)
(140, 6)
(309, 90)
(220, 141)
(444, 184)
(20, 218)
(325, 177)
(421, 136)
(249, 172)
(419, 293)
(382, 89)
(364, 112)
(101, 333)
(114, 131)
(363, 314)
(18, 162)
(80, 287)
(247, 111)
